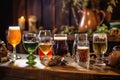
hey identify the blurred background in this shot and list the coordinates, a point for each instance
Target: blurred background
(48, 13)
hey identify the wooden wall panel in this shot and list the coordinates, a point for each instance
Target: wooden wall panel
(48, 12)
(33, 7)
(19, 9)
(61, 17)
(5, 17)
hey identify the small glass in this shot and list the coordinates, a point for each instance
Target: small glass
(60, 44)
(100, 46)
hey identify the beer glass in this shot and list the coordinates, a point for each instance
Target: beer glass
(45, 46)
(60, 44)
(30, 43)
(100, 47)
(14, 38)
(83, 51)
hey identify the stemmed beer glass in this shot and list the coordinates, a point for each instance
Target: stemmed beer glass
(14, 38)
(30, 42)
(100, 47)
(45, 45)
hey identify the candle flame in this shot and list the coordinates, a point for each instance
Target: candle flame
(22, 17)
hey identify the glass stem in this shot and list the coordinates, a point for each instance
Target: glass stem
(31, 59)
(102, 58)
(14, 53)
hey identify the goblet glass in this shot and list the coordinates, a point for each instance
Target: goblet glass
(45, 45)
(30, 42)
(14, 38)
(100, 47)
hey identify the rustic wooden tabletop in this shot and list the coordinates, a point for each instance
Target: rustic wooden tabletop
(19, 71)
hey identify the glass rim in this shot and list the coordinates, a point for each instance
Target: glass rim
(60, 35)
(44, 30)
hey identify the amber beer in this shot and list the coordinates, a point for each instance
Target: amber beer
(83, 54)
(14, 36)
(45, 49)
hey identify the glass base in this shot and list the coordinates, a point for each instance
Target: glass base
(14, 57)
(100, 67)
(31, 59)
(45, 60)
(18, 57)
(100, 64)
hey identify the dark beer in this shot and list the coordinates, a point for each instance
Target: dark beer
(60, 46)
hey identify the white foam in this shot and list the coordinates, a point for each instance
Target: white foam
(60, 38)
(14, 27)
(83, 47)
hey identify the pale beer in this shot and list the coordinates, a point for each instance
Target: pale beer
(100, 47)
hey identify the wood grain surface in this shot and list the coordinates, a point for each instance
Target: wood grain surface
(10, 72)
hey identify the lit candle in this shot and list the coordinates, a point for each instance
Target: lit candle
(21, 22)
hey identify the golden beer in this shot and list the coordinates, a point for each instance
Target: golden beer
(45, 47)
(100, 47)
(14, 36)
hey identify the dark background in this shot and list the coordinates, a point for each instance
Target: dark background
(48, 13)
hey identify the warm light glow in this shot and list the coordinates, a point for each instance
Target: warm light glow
(21, 22)
(22, 17)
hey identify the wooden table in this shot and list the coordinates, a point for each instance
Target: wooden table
(8, 71)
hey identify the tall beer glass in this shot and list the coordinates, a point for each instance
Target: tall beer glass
(83, 51)
(100, 47)
(14, 38)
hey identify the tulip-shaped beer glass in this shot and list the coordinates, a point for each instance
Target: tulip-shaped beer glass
(14, 38)
(100, 47)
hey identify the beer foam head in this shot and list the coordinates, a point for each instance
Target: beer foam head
(83, 47)
(14, 27)
(60, 38)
